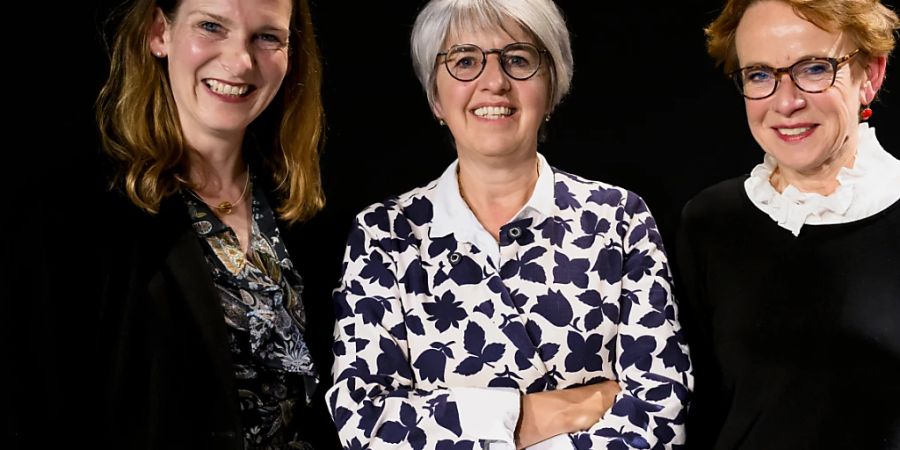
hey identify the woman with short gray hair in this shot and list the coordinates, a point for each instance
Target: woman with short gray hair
(507, 304)
(538, 18)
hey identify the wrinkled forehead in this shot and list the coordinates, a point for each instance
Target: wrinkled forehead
(465, 24)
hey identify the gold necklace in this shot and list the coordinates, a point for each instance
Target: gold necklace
(225, 207)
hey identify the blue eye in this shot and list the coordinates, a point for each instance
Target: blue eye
(517, 61)
(465, 62)
(211, 27)
(757, 76)
(815, 68)
(269, 41)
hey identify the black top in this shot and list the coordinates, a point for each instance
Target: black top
(796, 340)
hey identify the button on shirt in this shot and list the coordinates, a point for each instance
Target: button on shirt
(440, 327)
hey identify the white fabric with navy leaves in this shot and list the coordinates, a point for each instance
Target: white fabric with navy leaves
(429, 312)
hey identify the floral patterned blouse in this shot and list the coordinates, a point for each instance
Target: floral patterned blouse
(260, 296)
(440, 327)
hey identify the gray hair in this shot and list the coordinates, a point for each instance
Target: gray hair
(540, 18)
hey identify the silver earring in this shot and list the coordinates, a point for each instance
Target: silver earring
(159, 54)
(547, 119)
(441, 122)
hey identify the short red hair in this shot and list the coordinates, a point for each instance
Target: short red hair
(870, 24)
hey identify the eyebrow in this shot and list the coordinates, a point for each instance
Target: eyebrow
(228, 22)
(802, 58)
(224, 20)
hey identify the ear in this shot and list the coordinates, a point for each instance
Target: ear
(874, 77)
(159, 34)
(437, 109)
(551, 90)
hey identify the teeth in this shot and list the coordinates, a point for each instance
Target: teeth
(227, 89)
(493, 112)
(793, 131)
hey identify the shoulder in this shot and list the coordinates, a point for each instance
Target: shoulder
(414, 207)
(133, 251)
(121, 220)
(582, 193)
(138, 235)
(718, 210)
(721, 199)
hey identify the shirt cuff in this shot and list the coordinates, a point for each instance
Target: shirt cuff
(488, 414)
(558, 442)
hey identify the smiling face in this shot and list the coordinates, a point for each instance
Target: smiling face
(493, 115)
(226, 61)
(804, 132)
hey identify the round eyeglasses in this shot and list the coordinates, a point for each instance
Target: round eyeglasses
(519, 60)
(812, 75)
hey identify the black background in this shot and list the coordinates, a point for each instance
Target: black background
(647, 111)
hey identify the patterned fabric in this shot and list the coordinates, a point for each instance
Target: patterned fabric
(577, 296)
(260, 295)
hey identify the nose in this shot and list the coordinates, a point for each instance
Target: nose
(237, 57)
(494, 78)
(788, 98)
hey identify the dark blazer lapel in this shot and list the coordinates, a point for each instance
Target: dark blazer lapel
(190, 273)
(191, 279)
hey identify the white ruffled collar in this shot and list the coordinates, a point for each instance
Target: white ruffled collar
(870, 186)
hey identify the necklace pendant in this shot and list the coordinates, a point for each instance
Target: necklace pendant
(225, 207)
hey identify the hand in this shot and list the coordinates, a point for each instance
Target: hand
(547, 414)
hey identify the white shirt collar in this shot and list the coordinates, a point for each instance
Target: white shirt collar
(872, 185)
(452, 214)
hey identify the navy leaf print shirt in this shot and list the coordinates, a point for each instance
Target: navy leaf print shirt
(440, 327)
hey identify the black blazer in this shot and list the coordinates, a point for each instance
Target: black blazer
(170, 378)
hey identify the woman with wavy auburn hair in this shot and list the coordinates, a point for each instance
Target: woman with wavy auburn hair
(212, 112)
(791, 272)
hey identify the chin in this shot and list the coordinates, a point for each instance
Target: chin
(497, 147)
(804, 159)
(228, 124)
(496, 152)
(798, 161)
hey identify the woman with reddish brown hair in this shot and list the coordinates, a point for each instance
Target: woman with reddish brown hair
(792, 274)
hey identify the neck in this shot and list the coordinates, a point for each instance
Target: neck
(216, 165)
(495, 192)
(214, 156)
(220, 180)
(821, 180)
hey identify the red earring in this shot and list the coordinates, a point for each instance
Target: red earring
(866, 113)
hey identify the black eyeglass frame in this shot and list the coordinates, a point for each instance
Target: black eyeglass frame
(499, 52)
(836, 63)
